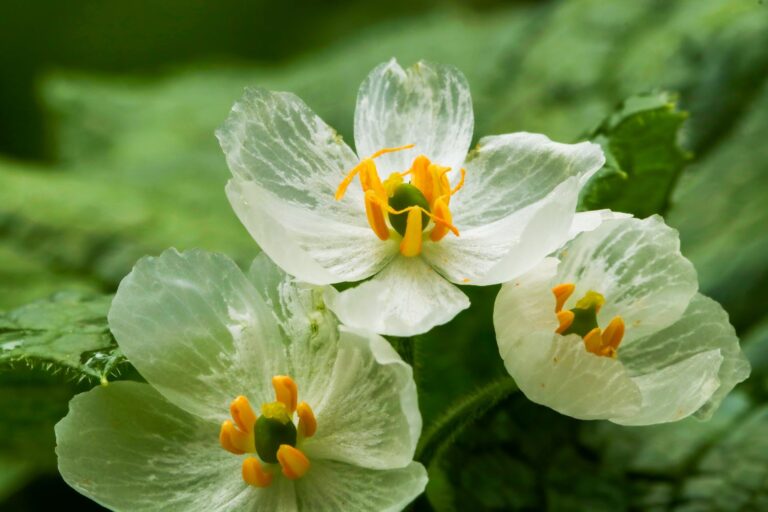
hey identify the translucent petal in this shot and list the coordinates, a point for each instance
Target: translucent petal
(369, 414)
(428, 105)
(676, 391)
(196, 329)
(637, 265)
(330, 486)
(504, 249)
(313, 247)
(703, 329)
(508, 172)
(310, 330)
(406, 298)
(274, 140)
(126, 447)
(591, 220)
(555, 370)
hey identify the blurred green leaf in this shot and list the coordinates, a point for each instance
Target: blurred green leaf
(643, 156)
(67, 332)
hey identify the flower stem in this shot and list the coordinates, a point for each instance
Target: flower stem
(466, 410)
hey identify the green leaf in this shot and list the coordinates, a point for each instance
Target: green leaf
(643, 157)
(67, 332)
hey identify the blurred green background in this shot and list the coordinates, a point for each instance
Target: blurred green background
(107, 153)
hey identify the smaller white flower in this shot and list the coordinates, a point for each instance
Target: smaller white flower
(413, 209)
(255, 400)
(613, 328)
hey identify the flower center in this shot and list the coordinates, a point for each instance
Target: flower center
(582, 320)
(273, 436)
(409, 207)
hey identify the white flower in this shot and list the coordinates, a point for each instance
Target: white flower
(615, 329)
(427, 214)
(338, 422)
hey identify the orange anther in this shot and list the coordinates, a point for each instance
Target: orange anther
(254, 474)
(234, 440)
(376, 217)
(562, 292)
(294, 463)
(307, 421)
(286, 391)
(614, 333)
(594, 341)
(566, 319)
(441, 210)
(242, 413)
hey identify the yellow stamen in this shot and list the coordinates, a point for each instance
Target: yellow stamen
(562, 292)
(613, 334)
(254, 474)
(440, 209)
(294, 463)
(276, 411)
(234, 440)
(566, 319)
(307, 421)
(594, 341)
(242, 413)
(367, 170)
(286, 391)
(411, 243)
(376, 218)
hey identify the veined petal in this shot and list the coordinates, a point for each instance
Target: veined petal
(704, 335)
(197, 330)
(330, 486)
(406, 298)
(676, 391)
(314, 248)
(274, 140)
(508, 172)
(508, 247)
(428, 105)
(309, 329)
(127, 448)
(369, 414)
(637, 266)
(555, 370)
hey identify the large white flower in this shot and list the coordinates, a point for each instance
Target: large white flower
(426, 213)
(338, 422)
(614, 328)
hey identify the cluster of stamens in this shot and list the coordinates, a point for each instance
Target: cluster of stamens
(409, 207)
(273, 436)
(582, 320)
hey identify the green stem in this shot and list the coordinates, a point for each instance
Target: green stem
(460, 415)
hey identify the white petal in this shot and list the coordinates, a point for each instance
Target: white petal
(126, 447)
(369, 414)
(637, 266)
(331, 486)
(274, 140)
(428, 105)
(506, 248)
(703, 329)
(312, 247)
(196, 329)
(406, 298)
(508, 172)
(309, 328)
(676, 391)
(591, 220)
(555, 370)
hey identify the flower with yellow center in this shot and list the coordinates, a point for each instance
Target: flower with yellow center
(613, 328)
(256, 399)
(427, 212)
